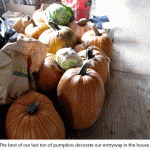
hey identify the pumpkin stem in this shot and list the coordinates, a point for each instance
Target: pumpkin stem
(33, 23)
(84, 68)
(43, 7)
(89, 53)
(32, 108)
(97, 33)
(82, 22)
(54, 26)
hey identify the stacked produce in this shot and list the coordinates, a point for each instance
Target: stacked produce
(76, 67)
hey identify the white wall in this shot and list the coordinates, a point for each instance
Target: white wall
(132, 16)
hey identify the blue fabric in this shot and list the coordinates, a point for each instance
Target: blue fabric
(99, 20)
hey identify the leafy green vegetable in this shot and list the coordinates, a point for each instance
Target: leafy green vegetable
(59, 14)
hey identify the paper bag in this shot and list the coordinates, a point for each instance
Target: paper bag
(15, 71)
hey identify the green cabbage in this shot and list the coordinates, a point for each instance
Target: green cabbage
(59, 14)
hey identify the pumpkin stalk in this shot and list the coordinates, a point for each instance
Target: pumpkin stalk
(54, 26)
(97, 33)
(82, 22)
(33, 23)
(89, 53)
(84, 68)
(43, 7)
(32, 108)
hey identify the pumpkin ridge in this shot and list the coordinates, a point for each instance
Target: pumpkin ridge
(14, 128)
(57, 128)
(20, 119)
(63, 90)
(94, 96)
(20, 123)
(47, 133)
(91, 119)
(26, 132)
(79, 80)
(85, 85)
(38, 124)
(18, 127)
(30, 126)
(52, 107)
(35, 129)
(82, 110)
(36, 132)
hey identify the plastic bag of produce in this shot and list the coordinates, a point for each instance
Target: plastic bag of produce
(59, 14)
(7, 34)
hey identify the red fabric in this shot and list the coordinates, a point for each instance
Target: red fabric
(81, 8)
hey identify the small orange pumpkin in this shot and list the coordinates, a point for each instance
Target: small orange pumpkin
(100, 39)
(33, 116)
(79, 28)
(38, 15)
(48, 75)
(80, 47)
(99, 61)
(34, 30)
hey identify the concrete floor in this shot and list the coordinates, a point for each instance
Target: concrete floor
(126, 110)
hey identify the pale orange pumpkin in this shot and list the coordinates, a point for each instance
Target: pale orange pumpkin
(100, 39)
(38, 15)
(58, 37)
(79, 28)
(34, 30)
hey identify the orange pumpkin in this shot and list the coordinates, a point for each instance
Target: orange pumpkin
(79, 28)
(33, 116)
(38, 15)
(80, 47)
(58, 37)
(49, 74)
(100, 39)
(80, 94)
(99, 61)
(34, 30)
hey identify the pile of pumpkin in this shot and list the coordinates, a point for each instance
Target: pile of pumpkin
(77, 66)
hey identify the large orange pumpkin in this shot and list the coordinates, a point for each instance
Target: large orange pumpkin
(33, 116)
(79, 28)
(80, 94)
(100, 39)
(58, 37)
(99, 63)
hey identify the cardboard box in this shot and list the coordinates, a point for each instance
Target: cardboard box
(22, 24)
(12, 14)
(25, 9)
